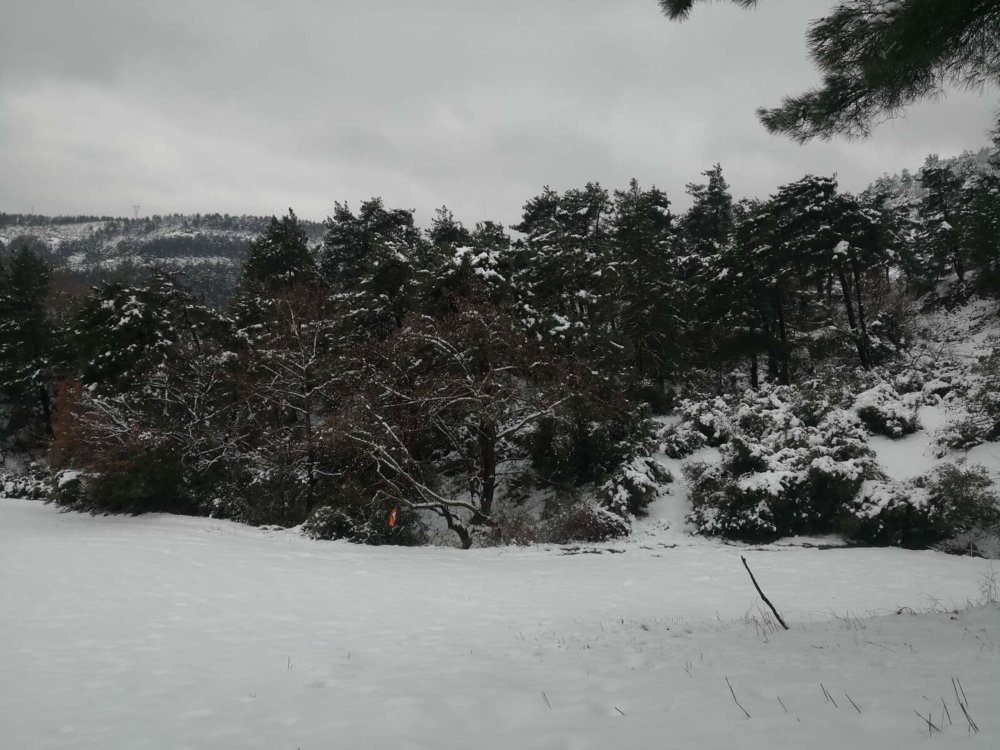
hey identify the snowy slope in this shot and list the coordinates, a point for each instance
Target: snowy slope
(169, 632)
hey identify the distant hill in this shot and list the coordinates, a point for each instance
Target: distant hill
(209, 248)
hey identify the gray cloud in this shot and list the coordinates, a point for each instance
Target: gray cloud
(251, 106)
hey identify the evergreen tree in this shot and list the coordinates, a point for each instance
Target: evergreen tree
(940, 214)
(879, 56)
(824, 238)
(371, 261)
(26, 337)
(644, 281)
(980, 226)
(563, 268)
(122, 334)
(708, 225)
(280, 257)
(446, 231)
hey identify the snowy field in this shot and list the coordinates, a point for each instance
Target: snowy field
(168, 632)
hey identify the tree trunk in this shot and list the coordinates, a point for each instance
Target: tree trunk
(783, 353)
(487, 437)
(852, 322)
(45, 402)
(464, 537)
(862, 318)
(959, 267)
(311, 478)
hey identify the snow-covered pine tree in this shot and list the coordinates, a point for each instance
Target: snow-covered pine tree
(939, 238)
(564, 268)
(369, 259)
(280, 257)
(644, 280)
(878, 57)
(26, 339)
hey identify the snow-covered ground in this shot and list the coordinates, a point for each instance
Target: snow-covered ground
(169, 632)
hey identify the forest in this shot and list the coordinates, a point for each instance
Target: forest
(392, 384)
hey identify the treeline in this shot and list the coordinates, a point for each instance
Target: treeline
(501, 385)
(38, 220)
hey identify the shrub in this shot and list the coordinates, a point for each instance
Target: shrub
(885, 412)
(793, 480)
(887, 335)
(365, 525)
(948, 501)
(978, 542)
(633, 486)
(702, 423)
(274, 494)
(510, 528)
(584, 522)
(711, 418)
(659, 400)
(32, 484)
(982, 424)
(578, 448)
(964, 433)
(138, 479)
(680, 440)
(68, 488)
(723, 507)
(329, 523)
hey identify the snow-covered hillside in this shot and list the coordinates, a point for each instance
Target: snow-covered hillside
(169, 632)
(210, 248)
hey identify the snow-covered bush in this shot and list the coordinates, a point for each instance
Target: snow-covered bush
(584, 521)
(680, 440)
(329, 523)
(978, 542)
(372, 527)
(712, 418)
(793, 479)
(982, 421)
(703, 423)
(586, 442)
(963, 433)
(950, 500)
(885, 412)
(33, 484)
(67, 488)
(813, 399)
(265, 492)
(633, 486)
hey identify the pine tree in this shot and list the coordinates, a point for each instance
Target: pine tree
(980, 226)
(644, 281)
(826, 237)
(281, 256)
(940, 214)
(371, 261)
(708, 225)
(26, 337)
(122, 334)
(563, 267)
(879, 56)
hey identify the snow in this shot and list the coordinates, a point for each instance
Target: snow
(171, 632)
(67, 477)
(910, 456)
(916, 454)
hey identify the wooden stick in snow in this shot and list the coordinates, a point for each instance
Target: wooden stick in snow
(766, 600)
(737, 701)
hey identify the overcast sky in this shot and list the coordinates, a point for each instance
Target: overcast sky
(251, 106)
